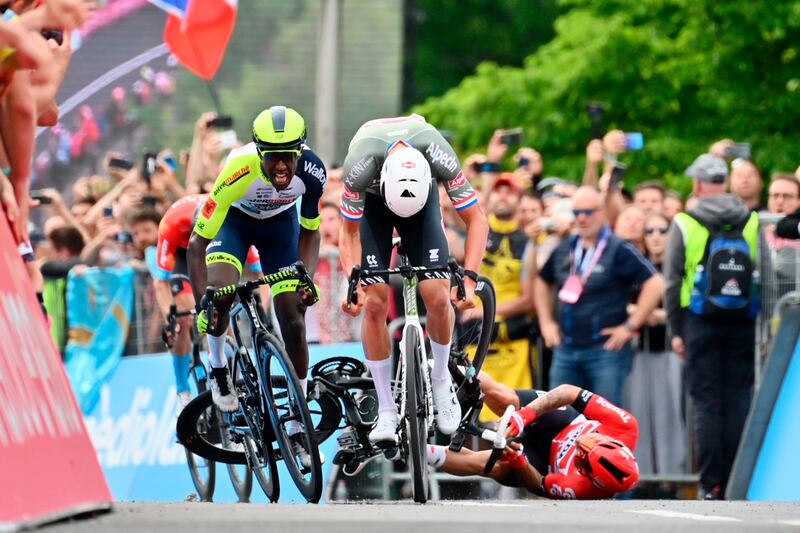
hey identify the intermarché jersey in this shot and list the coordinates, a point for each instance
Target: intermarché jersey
(563, 480)
(243, 185)
(368, 149)
(174, 232)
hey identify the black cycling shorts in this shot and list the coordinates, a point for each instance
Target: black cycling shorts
(423, 237)
(276, 239)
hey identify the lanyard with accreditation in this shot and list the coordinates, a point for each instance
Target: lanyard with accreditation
(572, 289)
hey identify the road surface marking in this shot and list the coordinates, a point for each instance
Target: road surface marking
(688, 516)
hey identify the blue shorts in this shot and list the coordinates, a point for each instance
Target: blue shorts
(276, 239)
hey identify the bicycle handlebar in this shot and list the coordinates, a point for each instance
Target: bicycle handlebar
(498, 439)
(406, 271)
(295, 271)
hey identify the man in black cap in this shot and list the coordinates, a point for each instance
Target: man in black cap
(711, 257)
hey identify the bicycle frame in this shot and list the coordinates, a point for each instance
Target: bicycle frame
(410, 303)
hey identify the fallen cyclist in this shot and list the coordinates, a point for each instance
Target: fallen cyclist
(575, 444)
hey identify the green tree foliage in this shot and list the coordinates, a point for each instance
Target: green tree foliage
(685, 73)
(446, 39)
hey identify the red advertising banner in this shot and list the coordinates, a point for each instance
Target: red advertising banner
(48, 466)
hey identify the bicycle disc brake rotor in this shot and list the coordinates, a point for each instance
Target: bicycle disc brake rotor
(338, 367)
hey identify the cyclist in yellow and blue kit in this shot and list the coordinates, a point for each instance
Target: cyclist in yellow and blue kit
(253, 202)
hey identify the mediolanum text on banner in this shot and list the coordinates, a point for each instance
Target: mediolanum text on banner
(48, 468)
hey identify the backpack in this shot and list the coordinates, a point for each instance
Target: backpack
(726, 280)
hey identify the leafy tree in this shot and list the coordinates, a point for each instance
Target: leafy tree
(685, 73)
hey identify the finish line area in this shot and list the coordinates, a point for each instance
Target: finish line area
(461, 516)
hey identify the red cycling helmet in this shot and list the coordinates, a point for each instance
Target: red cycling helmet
(612, 466)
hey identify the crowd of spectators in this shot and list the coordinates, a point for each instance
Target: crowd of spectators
(577, 263)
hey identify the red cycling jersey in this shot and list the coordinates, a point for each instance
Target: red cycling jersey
(176, 228)
(599, 415)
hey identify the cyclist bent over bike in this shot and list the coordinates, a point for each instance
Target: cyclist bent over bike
(253, 202)
(391, 174)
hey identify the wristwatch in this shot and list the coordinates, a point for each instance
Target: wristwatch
(471, 274)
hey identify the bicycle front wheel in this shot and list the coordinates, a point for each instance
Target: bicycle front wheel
(416, 416)
(290, 417)
(240, 475)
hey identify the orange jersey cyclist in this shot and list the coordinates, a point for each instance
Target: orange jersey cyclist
(253, 202)
(392, 173)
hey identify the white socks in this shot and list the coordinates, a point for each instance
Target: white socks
(304, 386)
(382, 376)
(441, 356)
(216, 351)
(436, 455)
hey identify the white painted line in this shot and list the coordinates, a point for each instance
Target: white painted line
(481, 504)
(788, 522)
(688, 516)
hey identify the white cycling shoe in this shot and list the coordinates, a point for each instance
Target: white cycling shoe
(385, 431)
(448, 410)
(222, 391)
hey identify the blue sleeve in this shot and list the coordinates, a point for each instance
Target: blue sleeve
(152, 265)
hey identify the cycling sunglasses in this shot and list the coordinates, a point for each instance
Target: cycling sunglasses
(588, 212)
(286, 156)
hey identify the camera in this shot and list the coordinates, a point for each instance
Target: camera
(123, 237)
(123, 164)
(43, 200)
(220, 122)
(738, 151)
(634, 140)
(512, 136)
(548, 224)
(617, 174)
(55, 34)
(148, 166)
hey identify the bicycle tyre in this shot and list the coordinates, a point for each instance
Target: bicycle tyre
(242, 481)
(201, 441)
(416, 417)
(257, 438)
(202, 470)
(240, 475)
(269, 350)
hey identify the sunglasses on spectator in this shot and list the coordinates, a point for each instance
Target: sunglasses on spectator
(588, 212)
(661, 230)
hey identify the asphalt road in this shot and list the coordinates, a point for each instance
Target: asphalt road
(457, 516)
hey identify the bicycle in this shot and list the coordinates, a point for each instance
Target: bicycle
(414, 393)
(266, 406)
(203, 470)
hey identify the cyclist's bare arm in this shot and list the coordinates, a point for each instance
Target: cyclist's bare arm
(469, 463)
(163, 295)
(349, 245)
(497, 396)
(559, 397)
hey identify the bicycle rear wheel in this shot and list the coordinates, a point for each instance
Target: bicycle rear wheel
(201, 469)
(416, 417)
(290, 417)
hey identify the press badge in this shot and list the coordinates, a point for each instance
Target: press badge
(571, 291)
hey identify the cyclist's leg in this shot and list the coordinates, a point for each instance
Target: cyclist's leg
(182, 347)
(425, 243)
(224, 257)
(376, 248)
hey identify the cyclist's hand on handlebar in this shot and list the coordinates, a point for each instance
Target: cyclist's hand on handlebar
(469, 301)
(354, 309)
(202, 321)
(519, 421)
(306, 296)
(169, 333)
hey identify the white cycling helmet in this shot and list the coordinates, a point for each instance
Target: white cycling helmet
(405, 182)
